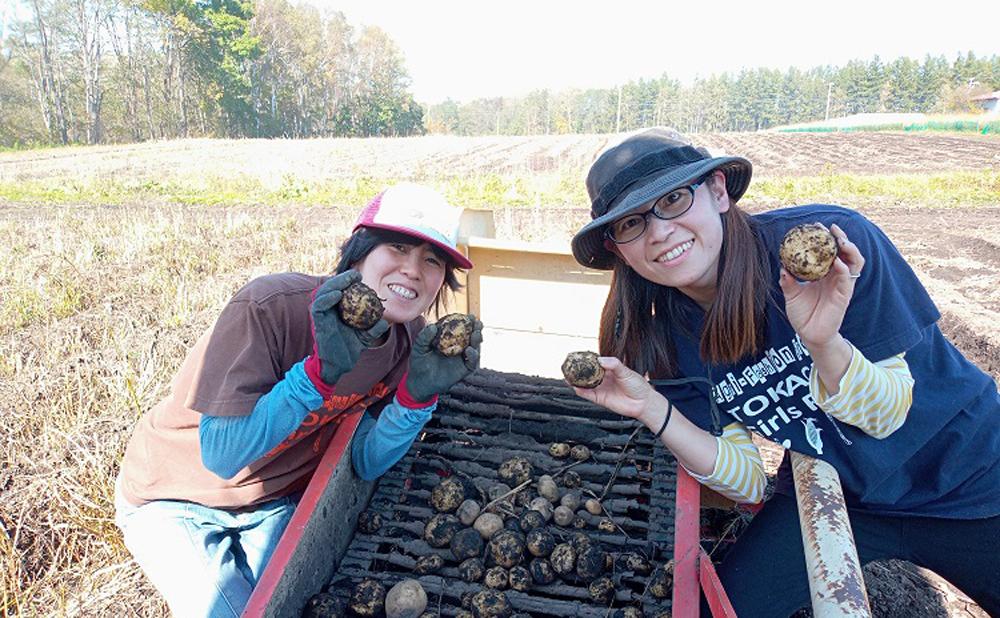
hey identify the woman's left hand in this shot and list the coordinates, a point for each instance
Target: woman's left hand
(432, 373)
(816, 309)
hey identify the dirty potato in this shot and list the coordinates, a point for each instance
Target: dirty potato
(661, 582)
(580, 541)
(563, 515)
(491, 604)
(590, 562)
(808, 251)
(543, 506)
(466, 543)
(519, 578)
(635, 562)
(360, 307)
(471, 570)
(496, 578)
(324, 605)
(454, 333)
(563, 559)
(570, 500)
(571, 479)
(540, 542)
(601, 589)
(559, 450)
(507, 548)
(369, 521)
(440, 529)
(368, 598)
(468, 511)
(582, 369)
(426, 565)
(531, 519)
(548, 489)
(606, 525)
(516, 470)
(447, 495)
(541, 571)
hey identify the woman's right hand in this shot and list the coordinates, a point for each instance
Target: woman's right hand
(337, 345)
(622, 391)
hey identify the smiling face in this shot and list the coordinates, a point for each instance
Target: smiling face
(683, 253)
(407, 276)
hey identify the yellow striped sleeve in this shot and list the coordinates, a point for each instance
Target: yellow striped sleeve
(739, 471)
(874, 397)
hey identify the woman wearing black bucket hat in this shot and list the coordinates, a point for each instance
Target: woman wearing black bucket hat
(851, 369)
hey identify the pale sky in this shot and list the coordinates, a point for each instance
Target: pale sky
(466, 49)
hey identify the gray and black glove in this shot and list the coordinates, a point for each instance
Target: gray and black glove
(431, 372)
(337, 346)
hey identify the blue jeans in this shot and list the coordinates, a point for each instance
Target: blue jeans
(204, 561)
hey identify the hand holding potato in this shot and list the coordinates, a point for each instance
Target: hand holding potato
(622, 390)
(816, 309)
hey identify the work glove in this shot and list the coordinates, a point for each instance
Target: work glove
(430, 372)
(337, 346)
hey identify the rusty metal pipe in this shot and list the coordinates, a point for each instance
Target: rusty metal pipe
(835, 581)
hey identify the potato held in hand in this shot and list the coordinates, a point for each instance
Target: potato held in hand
(454, 333)
(582, 369)
(808, 251)
(360, 307)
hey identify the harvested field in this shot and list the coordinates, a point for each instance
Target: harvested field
(773, 155)
(99, 301)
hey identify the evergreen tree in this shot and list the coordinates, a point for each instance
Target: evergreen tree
(902, 86)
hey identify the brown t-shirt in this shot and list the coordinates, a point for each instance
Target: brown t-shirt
(260, 335)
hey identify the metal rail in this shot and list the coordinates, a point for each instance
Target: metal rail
(835, 581)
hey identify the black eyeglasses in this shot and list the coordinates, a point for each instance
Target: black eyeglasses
(666, 207)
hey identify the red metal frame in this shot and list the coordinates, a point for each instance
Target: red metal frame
(693, 569)
(307, 504)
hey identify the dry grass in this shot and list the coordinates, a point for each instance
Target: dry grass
(99, 306)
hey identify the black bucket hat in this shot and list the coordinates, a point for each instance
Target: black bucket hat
(641, 168)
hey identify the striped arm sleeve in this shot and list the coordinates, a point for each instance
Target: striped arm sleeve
(874, 397)
(739, 471)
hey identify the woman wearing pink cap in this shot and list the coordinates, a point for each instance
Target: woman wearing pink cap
(212, 473)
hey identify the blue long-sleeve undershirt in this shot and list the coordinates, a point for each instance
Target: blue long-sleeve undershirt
(231, 443)
(378, 445)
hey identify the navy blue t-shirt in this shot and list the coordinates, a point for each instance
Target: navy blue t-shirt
(945, 459)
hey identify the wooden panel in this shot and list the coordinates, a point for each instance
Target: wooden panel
(536, 303)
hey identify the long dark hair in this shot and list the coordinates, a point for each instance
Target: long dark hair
(361, 243)
(635, 322)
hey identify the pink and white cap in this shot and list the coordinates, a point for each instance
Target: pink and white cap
(418, 211)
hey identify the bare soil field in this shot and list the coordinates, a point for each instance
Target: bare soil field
(773, 154)
(107, 298)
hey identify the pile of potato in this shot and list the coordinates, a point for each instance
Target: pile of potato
(522, 531)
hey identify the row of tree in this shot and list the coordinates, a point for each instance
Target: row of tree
(130, 70)
(747, 101)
